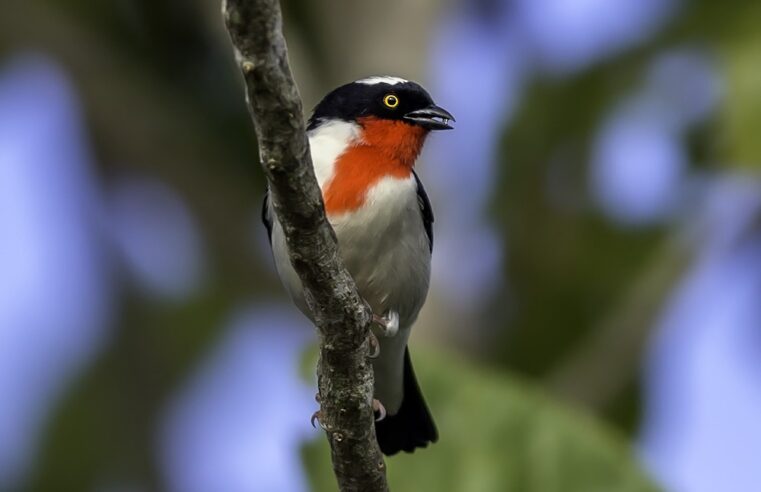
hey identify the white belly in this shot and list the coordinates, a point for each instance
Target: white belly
(385, 248)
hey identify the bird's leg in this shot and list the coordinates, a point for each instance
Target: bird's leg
(389, 322)
(379, 410)
(374, 346)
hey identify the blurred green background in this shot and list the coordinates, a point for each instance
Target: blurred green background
(593, 319)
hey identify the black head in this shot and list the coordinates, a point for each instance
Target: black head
(382, 97)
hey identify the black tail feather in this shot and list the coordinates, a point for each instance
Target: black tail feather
(412, 426)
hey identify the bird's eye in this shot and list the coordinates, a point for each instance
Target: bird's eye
(391, 101)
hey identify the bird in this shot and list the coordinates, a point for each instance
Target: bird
(364, 138)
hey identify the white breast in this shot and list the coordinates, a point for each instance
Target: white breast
(385, 247)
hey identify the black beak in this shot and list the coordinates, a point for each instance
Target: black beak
(432, 117)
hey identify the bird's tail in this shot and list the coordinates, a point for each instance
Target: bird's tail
(412, 426)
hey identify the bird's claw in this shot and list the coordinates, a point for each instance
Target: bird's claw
(374, 346)
(316, 418)
(379, 410)
(389, 323)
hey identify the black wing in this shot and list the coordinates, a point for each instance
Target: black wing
(267, 215)
(425, 209)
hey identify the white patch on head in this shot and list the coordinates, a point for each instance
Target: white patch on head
(328, 141)
(382, 80)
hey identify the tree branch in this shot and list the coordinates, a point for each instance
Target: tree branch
(344, 374)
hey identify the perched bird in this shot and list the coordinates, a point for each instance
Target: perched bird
(365, 137)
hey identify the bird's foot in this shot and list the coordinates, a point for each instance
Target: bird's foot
(374, 346)
(379, 410)
(389, 323)
(316, 418)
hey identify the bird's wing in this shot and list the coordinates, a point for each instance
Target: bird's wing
(425, 209)
(267, 214)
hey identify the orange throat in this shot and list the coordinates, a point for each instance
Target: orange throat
(386, 148)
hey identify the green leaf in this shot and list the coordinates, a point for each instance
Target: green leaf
(741, 117)
(499, 434)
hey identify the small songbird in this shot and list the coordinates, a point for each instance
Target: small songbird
(365, 137)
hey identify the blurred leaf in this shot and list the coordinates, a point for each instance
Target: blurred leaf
(567, 262)
(741, 116)
(499, 434)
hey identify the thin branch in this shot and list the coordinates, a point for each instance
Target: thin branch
(345, 376)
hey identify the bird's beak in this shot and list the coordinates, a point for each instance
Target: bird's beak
(432, 117)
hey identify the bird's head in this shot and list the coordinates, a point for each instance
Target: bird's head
(393, 115)
(389, 99)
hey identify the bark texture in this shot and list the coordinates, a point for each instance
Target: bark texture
(344, 374)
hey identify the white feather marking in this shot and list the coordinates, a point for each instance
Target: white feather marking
(382, 79)
(327, 142)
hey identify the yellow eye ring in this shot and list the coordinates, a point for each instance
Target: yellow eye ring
(391, 101)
